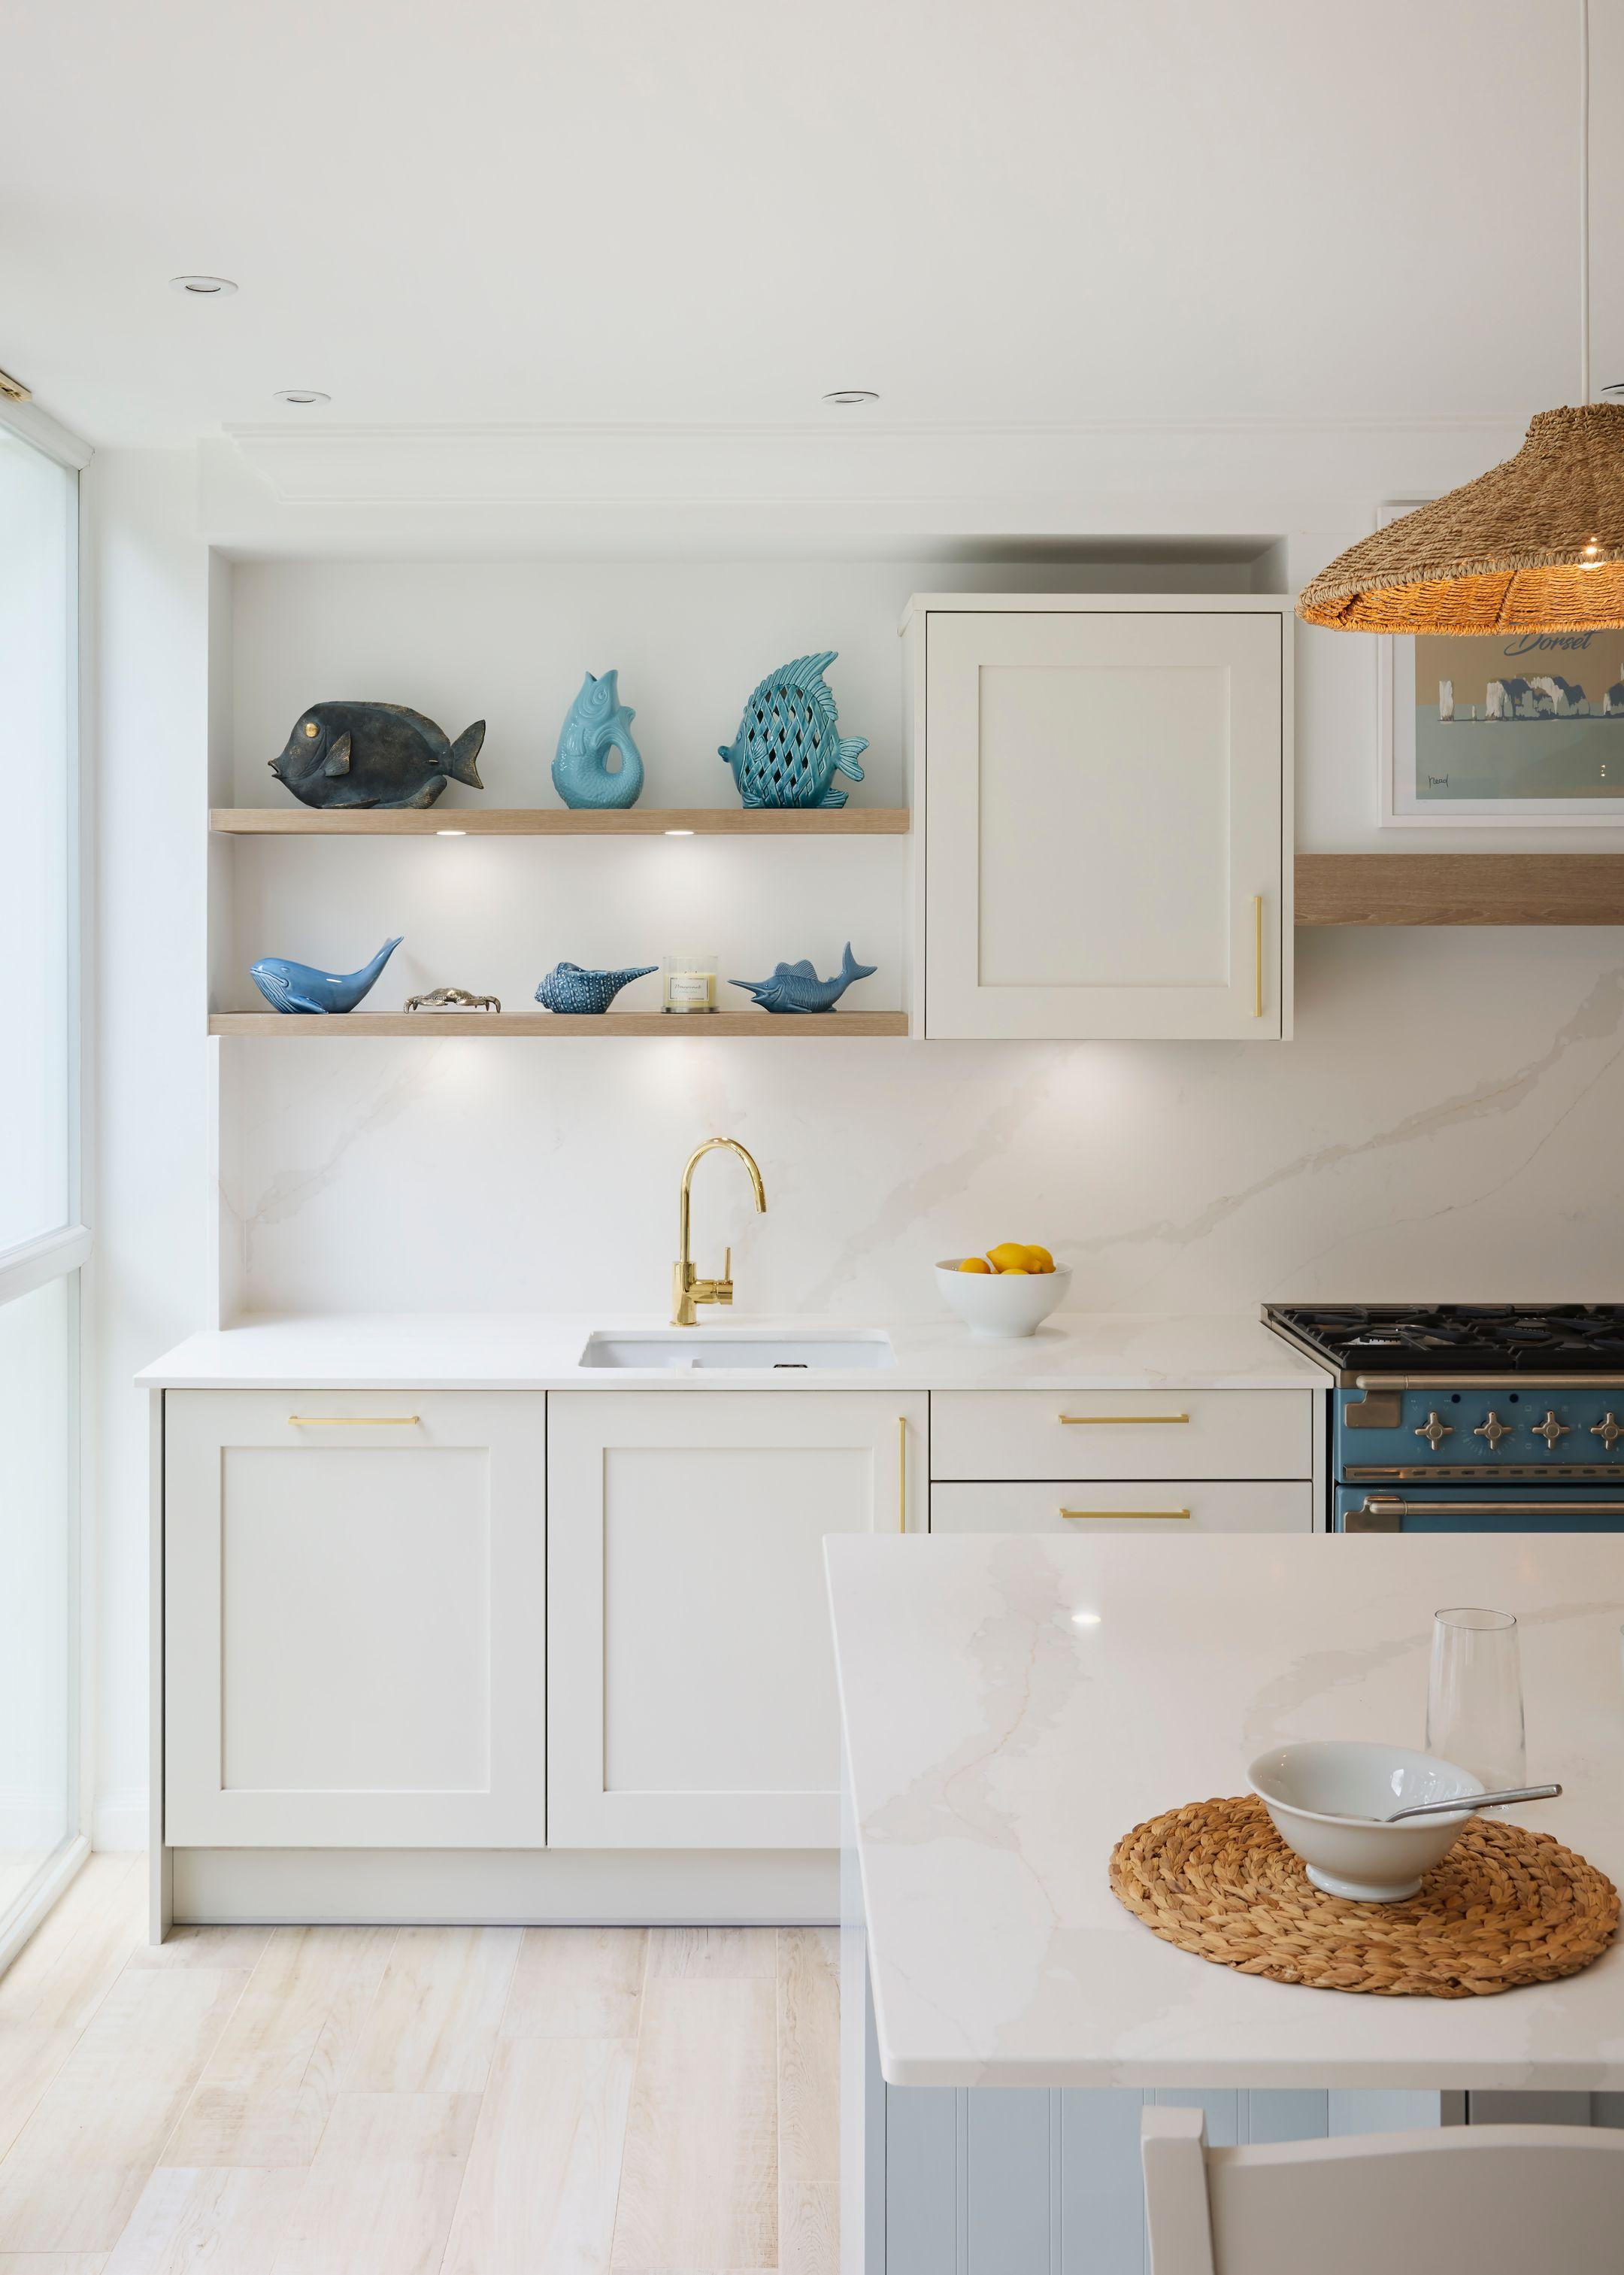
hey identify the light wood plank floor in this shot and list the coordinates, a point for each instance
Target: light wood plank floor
(414, 2101)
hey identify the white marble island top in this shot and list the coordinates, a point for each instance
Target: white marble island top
(541, 1351)
(998, 1747)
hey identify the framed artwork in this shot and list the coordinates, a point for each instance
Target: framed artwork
(1512, 732)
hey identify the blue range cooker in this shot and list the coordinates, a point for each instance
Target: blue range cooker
(1470, 1418)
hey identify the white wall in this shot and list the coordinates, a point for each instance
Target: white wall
(146, 742)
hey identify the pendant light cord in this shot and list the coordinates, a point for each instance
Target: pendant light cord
(1585, 200)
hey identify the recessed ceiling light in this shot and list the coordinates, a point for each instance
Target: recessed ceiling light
(206, 288)
(679, 832)
(302, 396)
(848, 395)
(451, 833)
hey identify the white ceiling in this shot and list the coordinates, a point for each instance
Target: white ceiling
(587, 211)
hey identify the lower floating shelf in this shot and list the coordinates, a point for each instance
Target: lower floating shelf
(831, 1026)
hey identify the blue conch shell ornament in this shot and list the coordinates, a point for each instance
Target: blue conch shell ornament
(796, 987)
(789, 748)
(598, 722)
(568, 988)
(301, 987)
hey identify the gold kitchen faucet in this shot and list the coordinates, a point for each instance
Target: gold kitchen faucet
(686, 1290)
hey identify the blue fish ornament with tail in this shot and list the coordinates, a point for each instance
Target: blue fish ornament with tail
(788, 747)
(598, 722)
(796, 987)
(301, 987)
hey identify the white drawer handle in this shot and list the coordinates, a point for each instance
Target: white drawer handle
(351, 1421)
(1083, 1421)
(1124, 1512)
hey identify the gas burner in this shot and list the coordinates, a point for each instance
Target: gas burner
(1458, 1338)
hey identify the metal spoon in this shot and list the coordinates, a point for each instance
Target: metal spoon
(1473, 1801)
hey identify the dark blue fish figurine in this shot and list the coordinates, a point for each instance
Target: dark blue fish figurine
(796, 987)
(300, 987)
(374, 755)
(788, 747)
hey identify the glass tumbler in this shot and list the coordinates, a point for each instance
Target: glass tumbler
(1475, 1694)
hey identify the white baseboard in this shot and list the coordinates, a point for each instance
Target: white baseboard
(782, 1887)
(18, 1925)
(120, 1820)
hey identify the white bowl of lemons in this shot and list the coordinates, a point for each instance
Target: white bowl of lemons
(1008, 1292)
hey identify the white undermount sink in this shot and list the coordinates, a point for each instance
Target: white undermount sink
(690, 1349)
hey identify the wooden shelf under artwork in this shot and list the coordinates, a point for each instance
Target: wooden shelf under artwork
(1459, 888)
(560, 822)
(608, 1026)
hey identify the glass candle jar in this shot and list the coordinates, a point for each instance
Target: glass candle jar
(688, 981)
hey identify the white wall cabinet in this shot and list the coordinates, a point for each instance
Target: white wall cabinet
(1103, 784)
(354, 1633)
(691, 1665)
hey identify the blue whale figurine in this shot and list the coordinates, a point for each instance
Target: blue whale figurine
(796, 987)
(300, 987)
(598, 722)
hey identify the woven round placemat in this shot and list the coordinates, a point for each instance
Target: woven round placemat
(1505, 1906)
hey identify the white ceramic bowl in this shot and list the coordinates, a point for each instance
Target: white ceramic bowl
(1001, 1303)
(1322, 1797)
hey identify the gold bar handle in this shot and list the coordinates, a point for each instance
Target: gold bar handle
(1256, 955)
(1086, 1421)
(1124, 1512)
(352, 1421)
(902, 1473)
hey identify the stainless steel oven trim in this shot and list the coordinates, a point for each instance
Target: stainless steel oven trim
(1573, 1383)
(1385, 1512)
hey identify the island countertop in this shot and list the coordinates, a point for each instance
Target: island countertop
(542, 1351)
(998, 1747)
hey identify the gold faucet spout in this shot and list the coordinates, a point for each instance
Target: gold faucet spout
(686, 1289)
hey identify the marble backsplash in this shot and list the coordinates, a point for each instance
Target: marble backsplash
(1446, 1125)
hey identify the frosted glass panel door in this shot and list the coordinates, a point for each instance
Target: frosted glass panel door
(1104, 823)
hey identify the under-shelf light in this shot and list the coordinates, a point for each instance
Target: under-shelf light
(679, 832)
(451, 833)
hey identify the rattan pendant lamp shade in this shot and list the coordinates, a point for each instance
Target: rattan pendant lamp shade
(1536, 545)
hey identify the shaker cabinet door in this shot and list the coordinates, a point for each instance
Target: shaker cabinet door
(1105, 795)
(691, 1660)
(355, 1619)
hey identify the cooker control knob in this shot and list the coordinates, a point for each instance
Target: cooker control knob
(1607, 1430)
(1434, 1431)
(1493, 1429)
(1550, 1430)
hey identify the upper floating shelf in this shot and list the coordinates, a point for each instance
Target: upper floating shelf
(560, 821)
(1459, 888)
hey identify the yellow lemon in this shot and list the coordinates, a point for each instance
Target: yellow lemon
(1009, 1254)
(1039, 1259)
(975, 1264)
(1012, 1271)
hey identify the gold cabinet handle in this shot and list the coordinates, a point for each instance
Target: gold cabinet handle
(1256, 955)
(351, 1421)
(1124, 1512)
(902, 1473)
(1085, 1421)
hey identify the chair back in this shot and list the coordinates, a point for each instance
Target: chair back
(1465, 2200)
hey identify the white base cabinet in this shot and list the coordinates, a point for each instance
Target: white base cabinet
(354, 1636)
(691, 1669)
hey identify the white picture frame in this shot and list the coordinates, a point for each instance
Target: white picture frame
(1402, 807)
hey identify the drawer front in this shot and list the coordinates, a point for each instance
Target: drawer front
(1122, 1434)
(1088, 1505)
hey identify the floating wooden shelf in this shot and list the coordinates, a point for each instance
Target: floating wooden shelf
(1459, 888)
(828, 1026)
(560, 821)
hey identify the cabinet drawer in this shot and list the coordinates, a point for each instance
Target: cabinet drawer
(1088, 1506)
(1122, 1434)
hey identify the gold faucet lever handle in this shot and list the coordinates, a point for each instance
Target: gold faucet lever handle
(723, 1288)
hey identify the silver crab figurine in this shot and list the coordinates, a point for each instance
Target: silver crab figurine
(452, 999)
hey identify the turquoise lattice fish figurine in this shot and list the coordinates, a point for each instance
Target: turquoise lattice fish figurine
(568, 988)
(300, 987)
(789, 748)
(796, 987)
(598, 723)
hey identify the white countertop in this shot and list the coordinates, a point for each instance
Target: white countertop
(523, 1351)
(997, 1750)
